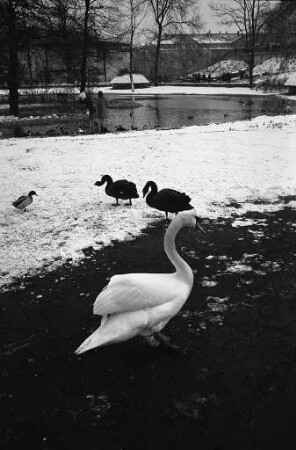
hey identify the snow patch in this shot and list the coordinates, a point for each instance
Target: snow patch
(255, 159)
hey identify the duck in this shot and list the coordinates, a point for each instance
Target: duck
(143, 303)
(126, 190)
(24, 200)
(167, 200)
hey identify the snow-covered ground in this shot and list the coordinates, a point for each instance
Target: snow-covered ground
(214, 164)
(152, 90)
(186, 90)
(275, 65)
(225, 66)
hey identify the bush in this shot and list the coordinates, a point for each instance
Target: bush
(18, 131)
(272, 82)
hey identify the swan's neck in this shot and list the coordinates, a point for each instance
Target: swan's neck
(183, 270)
(153, 189)
(108, 180)
(152, 192)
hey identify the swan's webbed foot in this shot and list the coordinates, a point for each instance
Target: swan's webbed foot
(152, 341)
(166, 341)
(156, 339)
(163, 339)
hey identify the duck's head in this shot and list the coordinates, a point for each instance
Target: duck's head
(105, 179)
(31, 193)
(188, 219)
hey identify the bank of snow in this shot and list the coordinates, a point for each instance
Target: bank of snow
(216, 165)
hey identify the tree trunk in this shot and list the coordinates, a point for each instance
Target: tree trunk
(131, 47)
(131, 64)
(252, 44)
(251, 57)
(84, 48)
(104, 65)
(132, 78)
(68, 61)
(251, 68)
(13, 69)
(47, 71)
(13, 83)
(66, 50)
(29, 60)
(157, 55)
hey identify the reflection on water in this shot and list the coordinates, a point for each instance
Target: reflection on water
(175, 111)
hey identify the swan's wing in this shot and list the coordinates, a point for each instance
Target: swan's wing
(133, 292)
(171, 196)
(124, 187)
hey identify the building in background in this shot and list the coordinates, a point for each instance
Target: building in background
(181, 54)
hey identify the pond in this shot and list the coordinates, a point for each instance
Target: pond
(175, 111)
(152, 112)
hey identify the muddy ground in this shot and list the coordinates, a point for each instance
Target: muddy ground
(233, 389)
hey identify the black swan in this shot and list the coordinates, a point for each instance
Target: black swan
(143, 303)
(24, 201)
(167, 200)
(126, 190)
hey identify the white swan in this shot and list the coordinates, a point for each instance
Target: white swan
(142, 303)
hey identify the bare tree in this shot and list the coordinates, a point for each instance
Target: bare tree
(249, 17)
(16, 24)
(99, 19)
(85, 39)
(58, 25)
(135, 12)
(174, 15)
(73, 28)
(281, 26)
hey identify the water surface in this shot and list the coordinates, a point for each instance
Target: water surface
(168, 111)
(174, 111)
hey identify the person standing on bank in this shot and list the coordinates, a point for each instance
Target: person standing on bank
(85, 97)
(101, 112)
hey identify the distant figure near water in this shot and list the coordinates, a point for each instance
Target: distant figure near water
(89, 103)
(101, 112)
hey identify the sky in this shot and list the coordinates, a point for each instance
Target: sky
(209, 18)
(211, 21)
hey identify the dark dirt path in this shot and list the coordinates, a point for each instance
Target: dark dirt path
(235, 389)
